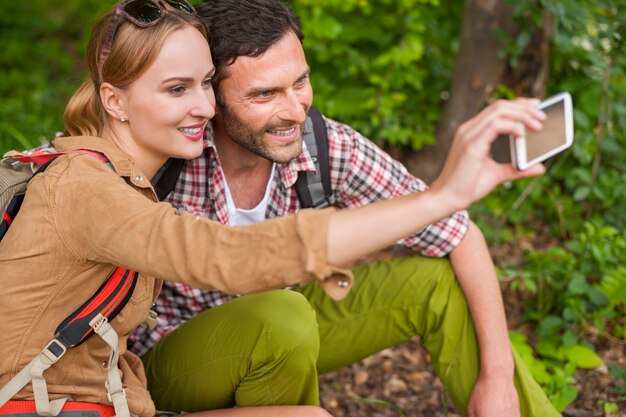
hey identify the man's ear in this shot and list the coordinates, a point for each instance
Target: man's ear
(113, 100)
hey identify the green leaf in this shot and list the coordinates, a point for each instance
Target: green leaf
(597, 297)
(570, 314)
(581, 193)
(550, 326)
(564, 397)
(583, 357)
(617, 371)
(570, 338)
(549, 347)
(578, 284)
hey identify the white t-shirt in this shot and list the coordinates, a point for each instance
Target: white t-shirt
(239, 216)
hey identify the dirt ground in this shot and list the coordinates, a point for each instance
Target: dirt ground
(399, 382)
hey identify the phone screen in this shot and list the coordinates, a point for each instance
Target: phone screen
(534, 147)
(552, 136)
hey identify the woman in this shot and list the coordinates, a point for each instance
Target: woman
(146, 55)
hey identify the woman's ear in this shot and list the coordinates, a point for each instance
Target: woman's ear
(114, 101)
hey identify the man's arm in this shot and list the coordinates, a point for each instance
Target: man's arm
(494, 393)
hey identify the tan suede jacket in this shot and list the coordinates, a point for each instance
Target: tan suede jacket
(81, 218)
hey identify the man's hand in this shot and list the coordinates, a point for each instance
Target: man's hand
(470, 173)
(494, 397)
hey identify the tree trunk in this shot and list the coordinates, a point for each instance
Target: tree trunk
(479, 71)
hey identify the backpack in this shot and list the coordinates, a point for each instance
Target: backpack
(313, 188)
(93, 317)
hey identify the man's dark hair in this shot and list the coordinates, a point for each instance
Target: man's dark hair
(244, 28)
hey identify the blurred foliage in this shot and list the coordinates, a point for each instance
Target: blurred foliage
(572, 219)
(41, 62)
(385, 67)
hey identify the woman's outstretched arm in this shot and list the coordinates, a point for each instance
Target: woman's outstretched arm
(468, 175)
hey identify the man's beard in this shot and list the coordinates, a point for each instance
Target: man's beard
(252, 140)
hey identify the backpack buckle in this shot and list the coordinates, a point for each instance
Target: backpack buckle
(53, 352)
(98, 322)
(151, 321)
(115, 395)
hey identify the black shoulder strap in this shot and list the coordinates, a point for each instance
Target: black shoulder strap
(313, 188)
(108, 300)
(166, 178)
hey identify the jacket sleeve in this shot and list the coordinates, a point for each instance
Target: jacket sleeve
(102, 218)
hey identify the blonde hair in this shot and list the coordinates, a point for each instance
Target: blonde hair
(134, 49)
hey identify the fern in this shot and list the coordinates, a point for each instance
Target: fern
(614, 286)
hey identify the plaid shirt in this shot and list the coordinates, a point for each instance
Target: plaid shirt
(360, 174)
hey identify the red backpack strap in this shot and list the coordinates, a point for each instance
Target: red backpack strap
(40, 158)
(108, 301)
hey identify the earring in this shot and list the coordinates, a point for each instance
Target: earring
(123, 119)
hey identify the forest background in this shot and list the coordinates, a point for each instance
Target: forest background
(406, 73)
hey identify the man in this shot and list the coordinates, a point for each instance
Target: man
(210, 350)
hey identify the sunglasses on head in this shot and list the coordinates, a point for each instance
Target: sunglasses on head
(143, 13)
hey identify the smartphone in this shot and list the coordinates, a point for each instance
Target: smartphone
(535, 147)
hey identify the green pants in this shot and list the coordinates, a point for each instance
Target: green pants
(267, 349)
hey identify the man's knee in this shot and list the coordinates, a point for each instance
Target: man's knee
(285, 311)
(423, 268)
(427, 282)
(287, 345)
(419, 275)
(286, 319)
(445, 293)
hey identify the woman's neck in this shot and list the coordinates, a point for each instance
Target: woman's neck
(148, 163)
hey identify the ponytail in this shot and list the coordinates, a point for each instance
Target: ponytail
(84, 114)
